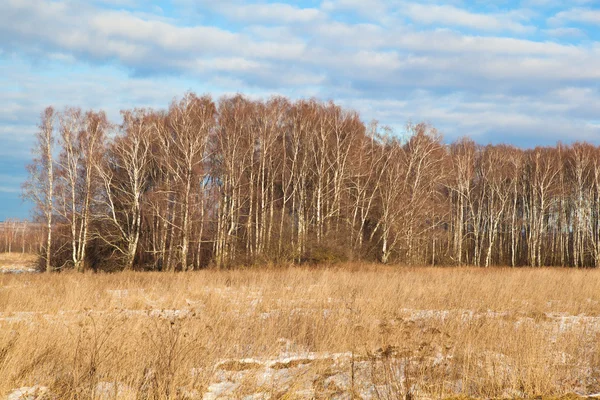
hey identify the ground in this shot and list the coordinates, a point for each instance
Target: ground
(15, 263)
(348, 331)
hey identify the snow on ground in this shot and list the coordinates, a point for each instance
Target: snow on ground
(17, 263)
(17, 269)
(301, 376)
(36, 392)
(305, 375)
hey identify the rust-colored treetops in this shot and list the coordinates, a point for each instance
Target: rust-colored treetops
(239, 181)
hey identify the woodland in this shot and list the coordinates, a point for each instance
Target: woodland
(238, 181)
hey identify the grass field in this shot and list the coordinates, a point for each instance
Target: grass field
(353, 331)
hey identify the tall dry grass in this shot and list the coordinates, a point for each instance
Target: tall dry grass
(425, 332)
(17, 262)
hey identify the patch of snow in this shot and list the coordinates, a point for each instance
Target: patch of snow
(36, 392)
(18, 270)
(170, 313)
(257, 396)
(113, 390)
(220, 390)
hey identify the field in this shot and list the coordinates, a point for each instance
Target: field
(351, 331)
(17, 263)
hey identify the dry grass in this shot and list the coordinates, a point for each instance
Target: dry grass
(17, 262)
(357, 330)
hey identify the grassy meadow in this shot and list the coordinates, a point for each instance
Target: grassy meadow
(347, 331)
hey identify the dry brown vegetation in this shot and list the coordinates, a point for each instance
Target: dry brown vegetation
(359, 331)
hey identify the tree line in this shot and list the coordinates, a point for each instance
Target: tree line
(19, 236)
(240, 181)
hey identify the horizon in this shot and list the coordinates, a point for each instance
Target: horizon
(522, 73)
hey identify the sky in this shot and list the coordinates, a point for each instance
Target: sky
(520, 72)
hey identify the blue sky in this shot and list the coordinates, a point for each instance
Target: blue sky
(520, 72)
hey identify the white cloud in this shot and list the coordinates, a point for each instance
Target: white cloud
(448, 15)
(565, 32)
(452, 42)
(581, 15)
(272, 13)
(369, 9)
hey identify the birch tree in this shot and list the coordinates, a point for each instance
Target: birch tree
(82, 141)
(191, 122)
(39, 186)
(125, 176)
